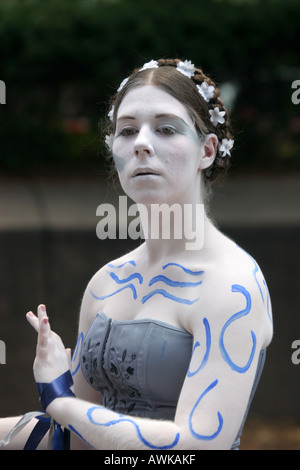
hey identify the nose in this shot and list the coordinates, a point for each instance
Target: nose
(143, 145)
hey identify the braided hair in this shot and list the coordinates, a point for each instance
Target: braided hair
(186, 88)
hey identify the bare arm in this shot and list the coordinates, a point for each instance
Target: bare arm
(214, 397)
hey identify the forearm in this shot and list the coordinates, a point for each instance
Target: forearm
(19, 441)
(107, 430)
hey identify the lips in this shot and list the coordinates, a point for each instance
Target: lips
(144, 172)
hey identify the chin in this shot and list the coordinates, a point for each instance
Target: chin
(144, 194)
(147, 199)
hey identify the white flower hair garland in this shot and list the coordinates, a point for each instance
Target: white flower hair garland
(226, 146)
(153, 64)
(122, 84)
(217, 116)
(207, 91)
(109, 139)
(186, 68)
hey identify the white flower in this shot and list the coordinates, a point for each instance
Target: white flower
(187, 68)
(111, 113)
(226, 146)
(122, 84)
(153, 64)
(217, 116)
(109, 139)
(206, 91)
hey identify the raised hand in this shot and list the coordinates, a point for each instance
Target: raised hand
(52, 359)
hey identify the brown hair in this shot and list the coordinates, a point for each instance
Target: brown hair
(184, 89)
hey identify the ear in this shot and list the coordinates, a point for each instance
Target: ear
(210, 148)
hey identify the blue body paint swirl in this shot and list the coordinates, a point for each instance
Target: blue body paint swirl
(110, 265)
(220, 417)
(254, 272)
(130, 286)
(123, 419)
(127, 279)
(236, 316)
(168, 296)
(197, 344)
(186, 270)
(158, 278)
(171, 283)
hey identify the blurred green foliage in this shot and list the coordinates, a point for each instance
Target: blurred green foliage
(61, 61)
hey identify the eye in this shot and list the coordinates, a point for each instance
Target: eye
(127, 132)
(167, 130)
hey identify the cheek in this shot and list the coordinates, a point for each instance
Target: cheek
(119, 156)
(119, 162)
(179, 162)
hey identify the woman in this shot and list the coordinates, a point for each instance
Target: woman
(171, 340)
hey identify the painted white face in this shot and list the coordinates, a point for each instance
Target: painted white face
(156, 149)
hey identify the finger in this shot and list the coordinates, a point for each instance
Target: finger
(69, 356)
(44, 326)
(43, 336)
(33, 320)
(41, 310)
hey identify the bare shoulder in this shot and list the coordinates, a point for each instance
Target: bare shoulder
(235, 288)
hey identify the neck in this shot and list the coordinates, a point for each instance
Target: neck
(174, 230)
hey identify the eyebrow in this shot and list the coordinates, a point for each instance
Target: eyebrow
(156, 116)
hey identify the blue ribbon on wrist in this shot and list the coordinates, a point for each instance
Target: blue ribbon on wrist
(60, 387)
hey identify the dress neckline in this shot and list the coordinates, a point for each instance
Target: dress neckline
(157, 321)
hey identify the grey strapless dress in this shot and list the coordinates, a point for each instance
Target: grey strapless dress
(139, 366)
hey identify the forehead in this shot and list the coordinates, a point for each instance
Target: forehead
(149, 99)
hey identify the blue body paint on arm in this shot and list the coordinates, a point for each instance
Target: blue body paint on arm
(220, 418)
(236, 316)
(197, 344)
(123, 419)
